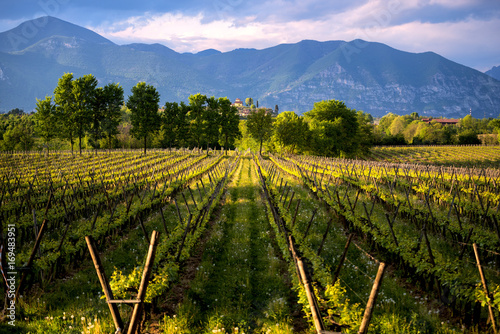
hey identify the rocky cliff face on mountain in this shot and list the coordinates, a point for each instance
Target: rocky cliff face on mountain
(368, 76)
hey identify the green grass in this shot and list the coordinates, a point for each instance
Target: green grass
(239, 285)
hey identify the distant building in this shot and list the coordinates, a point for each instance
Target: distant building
(444, 121)
(244, 111)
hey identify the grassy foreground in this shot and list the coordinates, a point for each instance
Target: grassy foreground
(241, 284)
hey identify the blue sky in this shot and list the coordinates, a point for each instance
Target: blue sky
(465, 31)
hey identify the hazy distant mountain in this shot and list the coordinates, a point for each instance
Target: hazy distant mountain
(368, 76)
(494, 72)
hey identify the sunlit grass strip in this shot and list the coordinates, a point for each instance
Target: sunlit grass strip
(238, 287)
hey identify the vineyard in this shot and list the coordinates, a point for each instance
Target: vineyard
(183, 241)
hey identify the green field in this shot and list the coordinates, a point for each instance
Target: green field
(232, 230)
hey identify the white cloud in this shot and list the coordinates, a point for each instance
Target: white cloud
(377, 21)
(458, 41)
(182, 32)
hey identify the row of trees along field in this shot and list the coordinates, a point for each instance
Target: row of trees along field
(99, 117)
(81, 112)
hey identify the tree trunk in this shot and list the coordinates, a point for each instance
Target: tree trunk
(71, 142)
(260, 150)
(145, 143)
(80, 143)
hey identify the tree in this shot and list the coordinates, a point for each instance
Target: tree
(366, 137)
(291, 132)
(175, 125)
(248, 101)
(211, 122)
(45, 117)
(65, 108)
(19, 136)
(334, 127)
(16, 112)
(260, 126)
(398, 125)
(109, 100)
(468, 137)
(386, 122)
(197, 104)
(410, 132)
(469, 123)
(84, 112)
(496, 125)
(229, 123)
(144, 105)
(433, 134)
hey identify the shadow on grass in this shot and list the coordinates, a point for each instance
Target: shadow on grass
(9, 329)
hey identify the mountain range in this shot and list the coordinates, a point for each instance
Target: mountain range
(367, 76)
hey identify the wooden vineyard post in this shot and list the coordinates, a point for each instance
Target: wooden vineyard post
(318, 323)
(324, 236)
(363, 329)
(104, 283)
(178, 211)
(342, 259)
(183, 238)
(485, 287)
(136, 313)
(310, 223)
(185, 201)
(390, 228)
(296, 212)
(163, 221)
(139, 302)
(291, 199)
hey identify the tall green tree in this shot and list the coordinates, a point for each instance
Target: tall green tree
(229, 123)
(334, 127)
(260, 126)
(211, 122)
(248, 101)
(84, 92)
(291, 132)
(45, 118)
(365, 129)
(385, 123)
(175, 125)
(197, 106)
(144, 105)
(109, 101)
(65, 108)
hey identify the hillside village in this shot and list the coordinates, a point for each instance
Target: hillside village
(244, 111)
